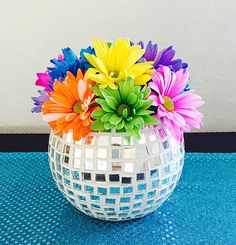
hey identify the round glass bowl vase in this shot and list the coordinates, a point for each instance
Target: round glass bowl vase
(110, 177)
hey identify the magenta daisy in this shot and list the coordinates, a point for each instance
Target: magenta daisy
(174, 107)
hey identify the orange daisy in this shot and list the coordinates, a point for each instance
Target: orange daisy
(70, 106)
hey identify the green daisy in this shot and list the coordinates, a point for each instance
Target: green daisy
(125, 109)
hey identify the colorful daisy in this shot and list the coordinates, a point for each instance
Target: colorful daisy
(124, 109)
(69, 62)
(70, 105)
(115, 62)
(163, 57)
(38, 101)
(176, 109)
(45, 81)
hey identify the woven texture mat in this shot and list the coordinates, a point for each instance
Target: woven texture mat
(202, 209)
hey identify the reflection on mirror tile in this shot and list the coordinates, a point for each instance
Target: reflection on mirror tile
(155, 148)
(86, 176)
(100, 177)
(114, 190)
(101, 165)
(114, 177)
(88, 165)
(58, 145)
(153, 173)
(151, 194)
(66, 171)
(168, 156)
(162, 133)
(77, 186)
(67, 149)
(77, 152)
(166, 145)
(88, 153)
(142, 151)
(103, 140)
(59, 167)
(126, 180)
(76, 175)
(53, 142)
(102, 190)
(129, 167)
(142, 140)
(140, 176)
(77, 163)
(167, 169)
(78, 142)
(125, 199)
(156, 161)
(128, 141)
(66, 159)
(116, 166)
(129, 153)
(117, 141)
(69, 137)
(90, 140)
(152, 136)
(52, 152)
(115, 153)
(102, 153)
(128, 190)
(58, 157)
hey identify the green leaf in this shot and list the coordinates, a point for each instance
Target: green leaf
(120, 125)
(115, 94)
(105, 92)
(97, 125)
(97, 114)
(125, 87)
(106, 107)
(149, 120)
(99, 100)
(132, 99)
(128, 126)
(138, 122)
(136, 133)
(97, 91)
(106, 117)
(142, 112)
(125, 113)
(140, 96)
(146, 104)
(108, 125)
(139, 104)
(115, 119)
(111, 102)
(128, 139)
(136, 89)
(146, 91)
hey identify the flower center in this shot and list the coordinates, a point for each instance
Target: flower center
(114, 74)
(77, 107)
(168, 103)
(121, 109)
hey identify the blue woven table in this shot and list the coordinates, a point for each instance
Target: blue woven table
(202, 209)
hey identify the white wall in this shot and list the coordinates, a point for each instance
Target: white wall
(203, 33)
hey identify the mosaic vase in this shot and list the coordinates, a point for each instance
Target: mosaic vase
(112, 177)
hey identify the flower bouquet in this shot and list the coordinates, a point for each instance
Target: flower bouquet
(117, 114)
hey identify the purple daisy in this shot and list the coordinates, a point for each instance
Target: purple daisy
(38, 101)
(163, 57)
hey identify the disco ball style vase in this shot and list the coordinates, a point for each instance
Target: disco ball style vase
(109, 177)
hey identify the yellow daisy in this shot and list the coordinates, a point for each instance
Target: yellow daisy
(115, 62)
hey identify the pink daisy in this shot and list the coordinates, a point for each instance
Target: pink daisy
(44, 79)
(176, 108)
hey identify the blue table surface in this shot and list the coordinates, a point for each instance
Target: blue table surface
(201, 210)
